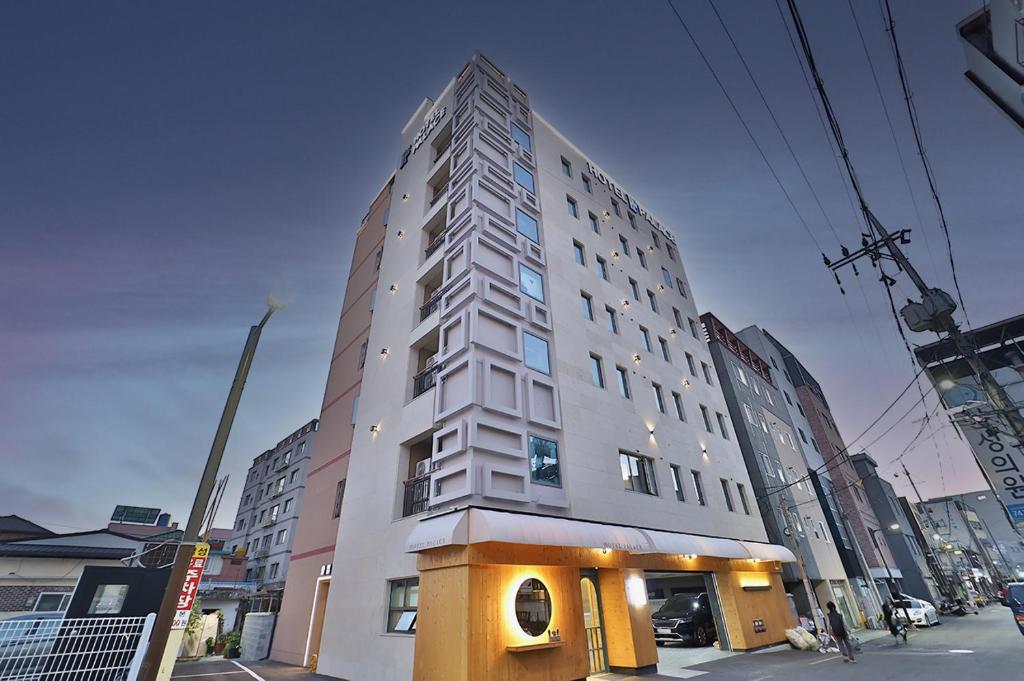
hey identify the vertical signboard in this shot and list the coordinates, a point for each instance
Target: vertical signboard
(189, 588)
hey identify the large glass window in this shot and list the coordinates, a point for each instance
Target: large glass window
(531, 282)
(637, 473)
(522, 137)
(524, 178)
(544, 461)
(402, 603)
(527, 226)
(535, 353)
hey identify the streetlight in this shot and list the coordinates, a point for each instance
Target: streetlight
(158, 642)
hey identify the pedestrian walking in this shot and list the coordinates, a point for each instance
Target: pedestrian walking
(889, 613)
(837, 627)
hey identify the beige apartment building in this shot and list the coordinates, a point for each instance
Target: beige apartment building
(527, 458)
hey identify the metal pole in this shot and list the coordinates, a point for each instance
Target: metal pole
(811, 598)
(888, 571)
(162, 627)
(868, 579)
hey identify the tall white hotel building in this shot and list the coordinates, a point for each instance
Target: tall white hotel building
(535, 423)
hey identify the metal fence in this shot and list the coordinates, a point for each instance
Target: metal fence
(78, 649)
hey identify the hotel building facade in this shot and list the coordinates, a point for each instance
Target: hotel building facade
(527, 449)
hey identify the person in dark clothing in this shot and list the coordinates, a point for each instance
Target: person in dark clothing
(890, 620)
(837, 627)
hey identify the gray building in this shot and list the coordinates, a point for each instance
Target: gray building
(993, 42)
(774, 455)
(269, 508)
(897, 531)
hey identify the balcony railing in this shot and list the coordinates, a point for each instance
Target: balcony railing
(425, 380)
(417, 496)
(443, 150)
(439, 192)
(436, 243)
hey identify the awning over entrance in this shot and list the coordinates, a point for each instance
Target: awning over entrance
(476, 525)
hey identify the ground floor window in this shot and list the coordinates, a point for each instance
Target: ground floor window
(404, 596)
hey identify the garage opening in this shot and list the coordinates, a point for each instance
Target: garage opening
(687, 619)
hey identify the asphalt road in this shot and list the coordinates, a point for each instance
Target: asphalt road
(986, 646)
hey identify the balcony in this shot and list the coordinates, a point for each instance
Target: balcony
(439, 193)
(417, 496)
(436, 243)
(425, 380)
(428, 308)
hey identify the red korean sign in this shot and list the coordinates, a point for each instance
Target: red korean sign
(187, 596)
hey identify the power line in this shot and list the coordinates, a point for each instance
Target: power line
(743, 122)
(912, 114)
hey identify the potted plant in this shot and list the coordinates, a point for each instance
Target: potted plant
(233, 645)
(218, 645)
(209, 645)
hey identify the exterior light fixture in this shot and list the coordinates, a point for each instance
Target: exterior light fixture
(375, 428)
(405, 197)
(947, 384)
(606, 215)
(982, 497)
(393, 288)
(894, 527)
(625, 303)
(672, 332)
(936, 536)
(661, 287)
(704, 449)
(636, 357)
(686, 383)
(650, 248)
(615, 254)
(690, 556)
(401, 233)
(384, 352)
(650, 429)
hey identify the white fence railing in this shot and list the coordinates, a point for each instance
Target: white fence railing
(78, 649)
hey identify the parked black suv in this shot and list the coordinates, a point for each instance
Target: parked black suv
(685, 618)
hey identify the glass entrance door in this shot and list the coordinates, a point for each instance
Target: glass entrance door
(592, 621)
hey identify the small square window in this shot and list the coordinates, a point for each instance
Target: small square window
(566, 168)
(535, 353)
(403, 600)
(531, 283)
(637, 473)
(527, 226)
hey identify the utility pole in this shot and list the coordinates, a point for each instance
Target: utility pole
(933, 561)
(155, 664)
(892, 580)
(872, 587)
(789, 532)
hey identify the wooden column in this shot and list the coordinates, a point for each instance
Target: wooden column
(627, 620)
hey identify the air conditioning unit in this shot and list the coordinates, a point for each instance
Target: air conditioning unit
(422, 467)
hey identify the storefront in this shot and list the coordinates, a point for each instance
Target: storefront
(509, 595)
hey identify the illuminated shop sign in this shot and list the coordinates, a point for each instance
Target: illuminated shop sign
(599, 175)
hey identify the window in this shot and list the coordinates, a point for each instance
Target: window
(587, 305)
(641, 257)
(595, 226)
(637, 473)
(749, 413)
(613, 323)
(531, 283)
(524, 178)
(282, 536)
(693, 327)
(339, 495)
(625, 245)
(728, 494)
(802, 435)
(373, 298)
(632, 219)
(789, 400)
(681, 287)
(403, 598)
(743, 497)
(287, 505)
(707, 418)
(623, 380)
(768, 396)
(108, 599)
(645, 339)
(294, 475)
(815, 445)
(721, 426)
(274, 511)
(615, 208)
(566, 168)
(577, 253)
(677, 401)
(655, 239)
(666, 278)
(824, 534)
(664, 349)
(535, 353)
(52, 602)
(677, 485)
(677, 317)
(698, 488)
(652, 301)
(634, 289)
(527, 226)
(707, 373)
(377, 259)
(671, 255)
(602, 268)
(274, 567)
(544, 462)
(570, 205)
(691, 364)
(263, 514)
(266, 541)
(768, 465)
(659, 400)
(596, 371)
(740, 374)
(522, 137)
(287, 459)
(586, 184)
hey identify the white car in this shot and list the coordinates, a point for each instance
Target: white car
(922, 613)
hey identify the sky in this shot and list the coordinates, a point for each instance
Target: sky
(165, 166)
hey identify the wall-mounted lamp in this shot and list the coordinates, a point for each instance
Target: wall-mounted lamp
(615, 255)
(405, 197)
(686, 383)
(384, 352)
(690, 556)
(894, 527)
(606, 215)
(401, 234)
(661, 287)
(636, 358)
(650, 248)
(758, 587)
(704, 449)
(393, 289)
(375, 428)
(625, 303)
(672, 332)
(650, 429)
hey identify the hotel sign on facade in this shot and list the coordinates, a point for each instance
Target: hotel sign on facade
(624, 196)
